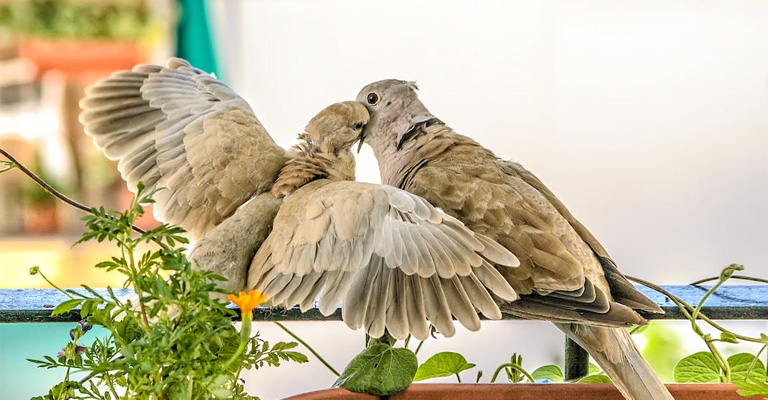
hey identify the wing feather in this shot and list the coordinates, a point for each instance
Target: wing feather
(397, 262)
(177, 127)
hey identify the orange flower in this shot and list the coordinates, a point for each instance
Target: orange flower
(248, 301)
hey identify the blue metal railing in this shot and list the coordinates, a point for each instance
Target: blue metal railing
(729, 302)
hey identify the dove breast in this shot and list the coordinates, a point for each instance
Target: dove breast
(395, 261)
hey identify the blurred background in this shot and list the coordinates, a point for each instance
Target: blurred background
(648, 119)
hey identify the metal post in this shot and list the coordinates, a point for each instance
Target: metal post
(576, 360)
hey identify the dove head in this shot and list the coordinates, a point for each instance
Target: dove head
(337, 127)
(396, 113)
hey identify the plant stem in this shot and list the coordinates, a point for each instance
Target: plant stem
(245, 336)
(458, 378)
(742, 277)
(407, 340)
(14, 163)
(514, 367)
(50, 189)
(754, 362)
(311, 350)
(721, 361)
(126, 248)
(108, 379)
(686, 309)
(419, 347)
(54, 285)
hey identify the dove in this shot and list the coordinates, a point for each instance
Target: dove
(565, 276)
(293, 224)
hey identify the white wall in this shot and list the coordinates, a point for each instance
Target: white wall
(649, 119)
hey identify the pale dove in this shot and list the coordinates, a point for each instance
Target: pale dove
(565, 275)
(395, 260)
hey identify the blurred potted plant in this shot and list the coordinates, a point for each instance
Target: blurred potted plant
(78, 35)
(41, 215)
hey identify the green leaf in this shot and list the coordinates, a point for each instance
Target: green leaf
(552, 373)
(699, 367)
(442, 364)
(752, 387)
(66, 306)
(638, 329)
(593, 369)
(379, 370)
(728, 337)
(740, 364)
(598, 378)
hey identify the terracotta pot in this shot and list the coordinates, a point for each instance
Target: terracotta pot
(531, 391)
(76, 57)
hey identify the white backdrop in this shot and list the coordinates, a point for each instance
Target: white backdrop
(649, 119)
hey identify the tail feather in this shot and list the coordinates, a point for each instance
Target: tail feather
(615, 351)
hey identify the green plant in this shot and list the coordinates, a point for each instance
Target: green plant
(380, 369)
(75, 19)
(744, 370)
(173, 340)
(449, 363)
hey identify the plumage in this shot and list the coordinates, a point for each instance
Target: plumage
(564, 274)
(292, 224)
(159, 119)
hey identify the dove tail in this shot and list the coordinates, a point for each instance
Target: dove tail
(615, 351)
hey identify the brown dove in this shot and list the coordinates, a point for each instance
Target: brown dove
(565, 275)
(220, 176)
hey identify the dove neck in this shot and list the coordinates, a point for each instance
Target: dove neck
(309, 164)
(397, 165)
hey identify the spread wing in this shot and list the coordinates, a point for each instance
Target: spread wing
(179, 129)
(395, 260)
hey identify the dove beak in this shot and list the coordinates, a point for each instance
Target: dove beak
(362, 139)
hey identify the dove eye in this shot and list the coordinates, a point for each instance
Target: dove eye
(358, 125)
(372, 98)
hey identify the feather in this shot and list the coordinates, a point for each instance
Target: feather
(460, 304)
(397, 313)
(436, 306)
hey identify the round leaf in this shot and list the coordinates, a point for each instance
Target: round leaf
(699, 367)
(549, 373)
(740, 364)
(593, 369)
(599, 378)
(380, 370)
(442, 364)
(728, 337)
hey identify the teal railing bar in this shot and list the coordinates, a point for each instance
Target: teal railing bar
(743, 302)
(729, 302)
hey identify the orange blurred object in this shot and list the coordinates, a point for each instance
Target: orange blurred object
(83, 56)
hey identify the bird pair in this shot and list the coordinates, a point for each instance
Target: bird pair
(454, 230)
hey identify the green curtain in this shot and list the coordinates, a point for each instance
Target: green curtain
(193, 36)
